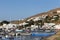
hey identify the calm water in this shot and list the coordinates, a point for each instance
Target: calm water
(23, 38)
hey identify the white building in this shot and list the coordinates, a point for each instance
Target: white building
(48, 25)
(7, 26)
(57, 27)
(1, 27)
(33, 27)
(58, 11)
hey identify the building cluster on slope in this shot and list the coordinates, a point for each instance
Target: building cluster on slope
(43, 23)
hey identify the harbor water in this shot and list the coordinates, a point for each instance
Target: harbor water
(35, 35)
(23, 38)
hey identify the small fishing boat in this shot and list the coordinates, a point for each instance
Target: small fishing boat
(6, 36)
(11, 37)
(0, 37)
(43, 34)
(3, 37)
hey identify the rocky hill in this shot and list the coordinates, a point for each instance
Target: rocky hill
(50, 13)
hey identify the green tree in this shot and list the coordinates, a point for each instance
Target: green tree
(40, 23)
(57, 17)
(47, 19)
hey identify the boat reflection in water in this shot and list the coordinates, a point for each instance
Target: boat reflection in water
(32, 36)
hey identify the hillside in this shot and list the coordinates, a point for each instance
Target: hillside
(54, 37)
(51, 16)
(50, 13)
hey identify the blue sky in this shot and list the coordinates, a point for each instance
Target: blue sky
(19, 9)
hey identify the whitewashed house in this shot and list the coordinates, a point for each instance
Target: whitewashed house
(48, 25)
(57, 27)
(58, 11)
(1, 27)
(33, 27)
(37, 18)
(8, 26)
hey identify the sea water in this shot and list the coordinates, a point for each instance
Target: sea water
(23, 38)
